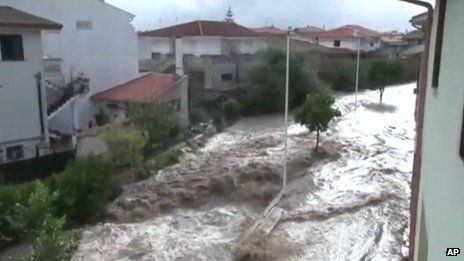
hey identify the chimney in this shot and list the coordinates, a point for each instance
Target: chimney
(179, 53)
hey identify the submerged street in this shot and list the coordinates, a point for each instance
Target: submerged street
(349, 202)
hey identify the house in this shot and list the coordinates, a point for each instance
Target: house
(277, 38)
(97, 46)
(347, 37)
(415, 42)
(216, 55)
(437, 211)
(393, 44)
(304, 33)
(24, 128)
(151, 87)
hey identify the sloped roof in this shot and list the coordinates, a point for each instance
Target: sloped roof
(415, 34)
(270, 30)
(140, 90)
(203, 28)
(346, 32)
(308, 29)
(11, 17)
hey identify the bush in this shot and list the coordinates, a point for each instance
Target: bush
(53, 242)
(165, 160)
(9, 197)
(85, 187)
(158, 120)
(231, 110)
(199, 116)
(29, 217)
(125, 145)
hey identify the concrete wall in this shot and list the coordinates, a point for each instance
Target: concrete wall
(442, 172)
(180, 93)
(19, 105)
(106, 52)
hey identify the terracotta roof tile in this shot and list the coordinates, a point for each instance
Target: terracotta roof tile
(140, 90)
(203, 28)
(11, 17)
(270, 31)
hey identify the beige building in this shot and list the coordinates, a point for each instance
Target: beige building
(437, 221)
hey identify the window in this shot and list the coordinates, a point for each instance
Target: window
(337, 43)
(226, 77)
(84, 25)
(15, 152)
(439, 43)
(155, 56)
(12, 47)
(175, 104)
(372, 44)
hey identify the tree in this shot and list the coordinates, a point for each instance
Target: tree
(266, 93)
(317, 112)
(384, 73)
(157, 119)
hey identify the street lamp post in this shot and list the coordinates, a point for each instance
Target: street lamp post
(287, 72)
(357, 75)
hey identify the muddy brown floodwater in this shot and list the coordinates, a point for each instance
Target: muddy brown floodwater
(349, 202)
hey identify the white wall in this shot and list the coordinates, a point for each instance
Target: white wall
(352, 44)
(148, 45)
(442, 172)
(107, 53)
(198, 45)
(202, 45)
(19, 105)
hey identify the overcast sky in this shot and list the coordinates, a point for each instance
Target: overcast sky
(382, 15)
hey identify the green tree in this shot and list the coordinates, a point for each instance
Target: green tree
(267, 82)
(125, 145)
(157, 119)
(384, 73)
(317, 112)
(231, 110)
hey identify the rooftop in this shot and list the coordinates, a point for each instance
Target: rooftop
(346, 32)
(270, 31)
(11, 17)
(203, 28)
(144, 89)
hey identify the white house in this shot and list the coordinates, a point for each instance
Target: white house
(97, 43)
(23, 112)
(216, 55)
(438, 177)
(347, 37)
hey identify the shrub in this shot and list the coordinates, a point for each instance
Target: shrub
(384, 73)
(165, 160)
(199, 116)
(29, 217)
(125, 145)
(9, 197)
(157, 119)
(53, 242)
(85, 187)
(231, 110)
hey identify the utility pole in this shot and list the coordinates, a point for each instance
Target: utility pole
(284, 178)
(357, 75)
